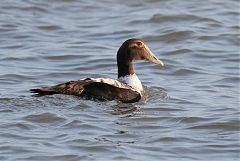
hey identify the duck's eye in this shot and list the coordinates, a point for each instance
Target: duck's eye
(139, 44)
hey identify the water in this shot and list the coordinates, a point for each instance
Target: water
(191, 106)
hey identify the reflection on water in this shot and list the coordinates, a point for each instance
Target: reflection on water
(190, 108)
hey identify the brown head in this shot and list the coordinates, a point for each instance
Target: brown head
(133, 49)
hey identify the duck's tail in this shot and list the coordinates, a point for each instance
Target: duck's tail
(44, 91)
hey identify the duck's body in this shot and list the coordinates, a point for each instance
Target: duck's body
(127, 88)
(96, 88)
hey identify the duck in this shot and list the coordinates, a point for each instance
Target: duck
(127, 88)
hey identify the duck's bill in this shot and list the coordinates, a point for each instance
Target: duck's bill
(152, 58)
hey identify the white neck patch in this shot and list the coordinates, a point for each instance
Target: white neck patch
(133, 81)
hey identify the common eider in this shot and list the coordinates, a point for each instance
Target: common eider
(127, 88)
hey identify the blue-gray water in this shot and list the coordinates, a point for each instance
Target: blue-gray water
(191, 111)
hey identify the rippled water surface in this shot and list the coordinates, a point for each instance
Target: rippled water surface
(191, 106)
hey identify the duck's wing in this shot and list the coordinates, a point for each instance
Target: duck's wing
(100, 88)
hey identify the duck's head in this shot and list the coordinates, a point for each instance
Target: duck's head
(134, 49)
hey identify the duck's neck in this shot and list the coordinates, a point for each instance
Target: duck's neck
(125, 69)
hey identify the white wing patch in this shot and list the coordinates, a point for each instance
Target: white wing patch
(112, 82)
(127, 82)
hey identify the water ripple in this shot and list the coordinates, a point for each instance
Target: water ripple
(44, 118)
(189, 108)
